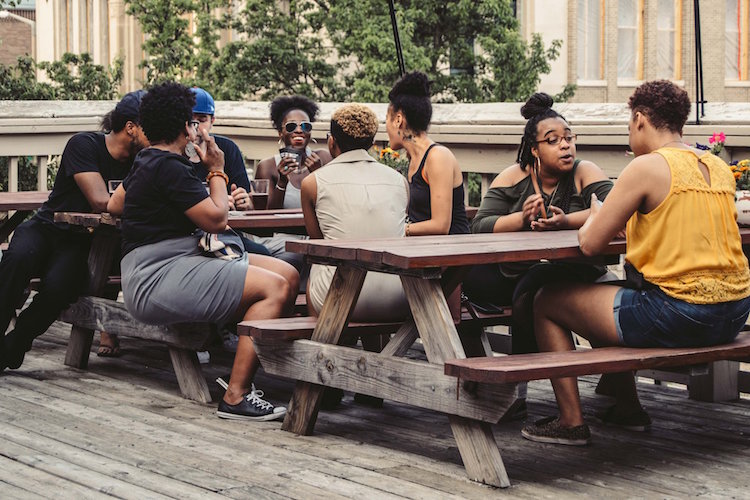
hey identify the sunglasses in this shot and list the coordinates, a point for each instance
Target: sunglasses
(292, 126)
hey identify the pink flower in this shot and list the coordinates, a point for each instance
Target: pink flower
(717, 137)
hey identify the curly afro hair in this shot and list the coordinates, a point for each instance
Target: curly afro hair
(354, 126)
(411, 95)
(284, 104)
(165, 110)
(537, 108)
(666, 105)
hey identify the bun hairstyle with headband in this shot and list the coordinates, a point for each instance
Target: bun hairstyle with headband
(536, 109)
(411, 95)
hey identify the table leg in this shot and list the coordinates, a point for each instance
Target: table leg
(334, 316)
(474, 439)
(104, 247)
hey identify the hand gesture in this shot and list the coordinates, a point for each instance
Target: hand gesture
(531, 208)
(240, 198)
(212, 157)
(286, 166)
(313, 162)
(558, 220)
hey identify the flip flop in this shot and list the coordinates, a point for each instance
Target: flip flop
(109, 351)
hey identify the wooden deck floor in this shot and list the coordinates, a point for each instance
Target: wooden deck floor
(120, 429)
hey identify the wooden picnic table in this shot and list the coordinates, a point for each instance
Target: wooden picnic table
(23, 203)
(430, 268)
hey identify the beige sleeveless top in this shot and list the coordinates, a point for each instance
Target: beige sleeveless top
(361, 198)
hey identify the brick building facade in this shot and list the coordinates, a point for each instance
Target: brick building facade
(15, 37)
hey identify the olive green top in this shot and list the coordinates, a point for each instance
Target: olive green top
(500, 201)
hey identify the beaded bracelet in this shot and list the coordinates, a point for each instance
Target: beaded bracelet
(407, 228)
(216, 173)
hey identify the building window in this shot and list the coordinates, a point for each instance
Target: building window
(630, 39)
(669, 39)
(737, 40)
(590, 39)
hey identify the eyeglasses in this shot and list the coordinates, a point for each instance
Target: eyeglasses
(555, 140)
(194, 124)
(292, 126)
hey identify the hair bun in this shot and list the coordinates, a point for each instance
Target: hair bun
(537, 104)
(415, 83)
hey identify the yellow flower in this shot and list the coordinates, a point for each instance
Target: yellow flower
(737, 175)
(395, 154)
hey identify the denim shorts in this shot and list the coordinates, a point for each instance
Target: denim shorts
(651, 318)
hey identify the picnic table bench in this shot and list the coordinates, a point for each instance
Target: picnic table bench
(451, 380)
(94, 312)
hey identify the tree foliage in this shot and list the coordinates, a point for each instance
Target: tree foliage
(73, 77)
(343, 49)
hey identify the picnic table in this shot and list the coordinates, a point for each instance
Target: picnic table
(430, 268)
(23, 203)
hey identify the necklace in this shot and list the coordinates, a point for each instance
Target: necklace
(670, 142)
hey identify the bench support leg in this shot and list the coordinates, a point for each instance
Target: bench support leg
(719, 384)
(189, 374)
(342, 296)
(79, 346)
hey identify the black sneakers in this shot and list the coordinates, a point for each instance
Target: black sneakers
(549, 430)
(252, 407)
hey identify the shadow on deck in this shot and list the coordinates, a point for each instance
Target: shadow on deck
(121, 429)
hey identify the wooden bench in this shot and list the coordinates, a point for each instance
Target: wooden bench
(526, 367)
(183, 340)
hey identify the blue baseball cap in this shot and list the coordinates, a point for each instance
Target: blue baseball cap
(204, 103)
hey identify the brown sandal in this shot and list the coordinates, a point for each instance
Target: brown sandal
(109, 350)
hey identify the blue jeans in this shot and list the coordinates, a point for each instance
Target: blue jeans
(651, 318)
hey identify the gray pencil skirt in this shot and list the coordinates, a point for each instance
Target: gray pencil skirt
(172, 282)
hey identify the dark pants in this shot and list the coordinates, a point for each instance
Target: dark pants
(485, 285)
(59, 258)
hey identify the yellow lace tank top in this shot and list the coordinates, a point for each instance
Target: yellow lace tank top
(690, 244)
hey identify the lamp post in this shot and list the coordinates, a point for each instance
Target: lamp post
(5, 14)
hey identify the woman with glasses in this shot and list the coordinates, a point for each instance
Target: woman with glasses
(293, 118)
(547, 189)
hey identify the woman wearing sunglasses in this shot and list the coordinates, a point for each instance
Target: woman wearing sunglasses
(293, 118)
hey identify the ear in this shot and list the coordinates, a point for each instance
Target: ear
(213, 119)
(639, 120)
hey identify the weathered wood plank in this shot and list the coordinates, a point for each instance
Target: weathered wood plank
(337, 308)
(414, 382)
(189, 374)
(537, 366)
(96, 313)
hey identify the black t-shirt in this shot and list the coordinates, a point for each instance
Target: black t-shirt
(234, 165)
(84, 152)
(160, 188)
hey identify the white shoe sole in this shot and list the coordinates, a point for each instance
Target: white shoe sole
(552, 440)
(262, 418)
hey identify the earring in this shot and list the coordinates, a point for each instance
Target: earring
(538, 164)
(398, 132)
(312, 139)
(281, 144)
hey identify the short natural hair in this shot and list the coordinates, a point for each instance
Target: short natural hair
(666, 105)
(354, 126)
(165, 110)
(282, 105)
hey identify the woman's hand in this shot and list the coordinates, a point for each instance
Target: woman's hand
(531, 208)
(313, 162)
(212, 157)
(286, 166)
(558, 220)
(239, 199)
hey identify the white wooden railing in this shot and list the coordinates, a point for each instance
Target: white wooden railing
(484, 137)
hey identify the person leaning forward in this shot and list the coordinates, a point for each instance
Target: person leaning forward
(56, 252)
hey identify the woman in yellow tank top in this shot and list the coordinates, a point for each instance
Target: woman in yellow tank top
(683, 245)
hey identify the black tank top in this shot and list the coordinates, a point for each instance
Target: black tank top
(419, 201)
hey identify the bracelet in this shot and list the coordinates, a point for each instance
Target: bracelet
(407, 228)
(216, 173)
(280, 188)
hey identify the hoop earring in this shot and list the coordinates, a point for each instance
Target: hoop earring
(281, 144)
(312, 139)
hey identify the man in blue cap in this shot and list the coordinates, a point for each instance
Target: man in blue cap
(54, 251)
(234, 165)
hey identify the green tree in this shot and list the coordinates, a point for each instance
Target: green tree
(472, 50)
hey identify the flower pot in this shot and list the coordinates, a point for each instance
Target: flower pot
(742, 201)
